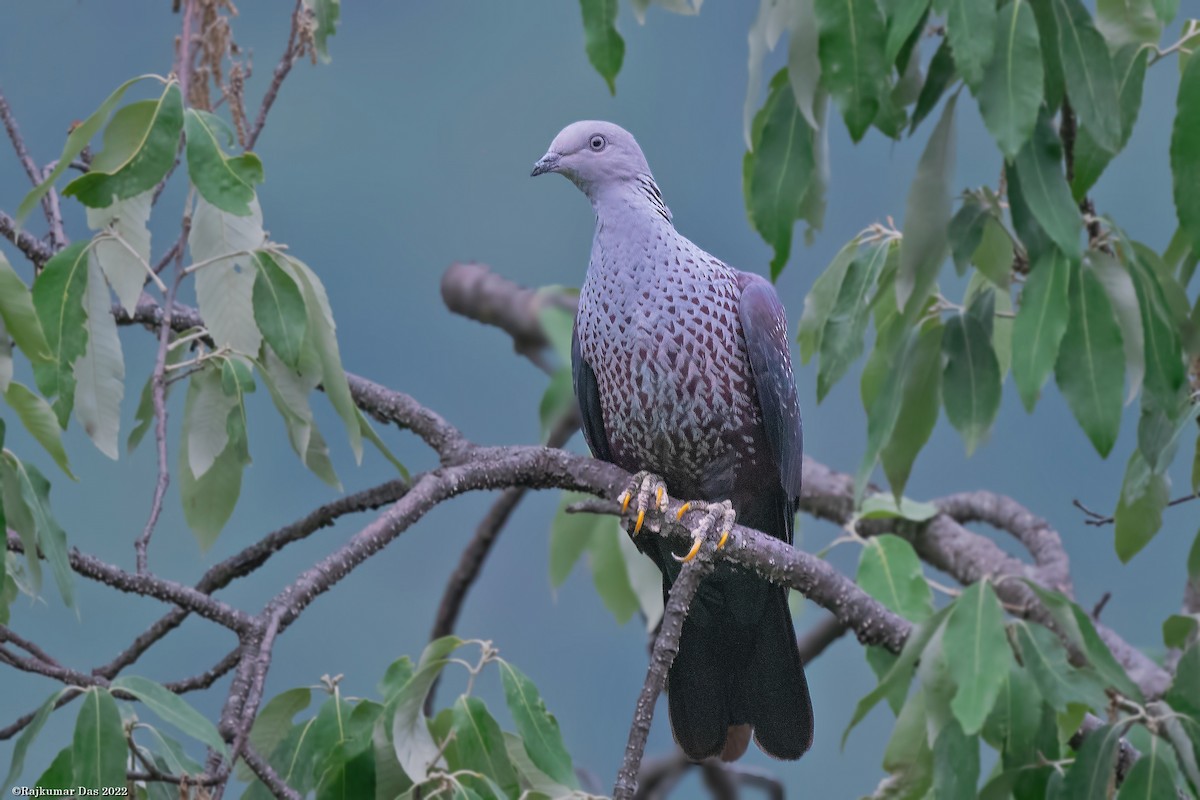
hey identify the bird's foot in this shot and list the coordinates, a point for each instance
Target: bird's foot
(650, 493)
(717, 517)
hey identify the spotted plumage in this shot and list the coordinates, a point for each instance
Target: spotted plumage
(682, 369)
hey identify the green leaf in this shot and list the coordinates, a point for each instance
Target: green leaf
(886, 506)
(209, 499)
(977, 651)
(994, 255)
(927, 216)
(902, 671)
(907, 758)
(227, 183)
(778, 170)
(1185, 152)
(570, 537)
(144, 414)
(904, 19)
(1088, 71)
(139, 149)
(605, 47)
(646, 581)
(205, 421)
(819, 302)
(966, 231)
(537, 726)
(1040, 324)
(368, 433)
(882, 384)
(21, 747)
(100, 371)
(955, 764)
(480, 744)
(804, 68)
(279, 309)
(58, 298)
(971, 379)
(609, 573)
(1144, 495)
(1177, 628)
(890, 571)
(51, 538)
(557, 401)
(852, 44)
(1012, 726)
(1045, 189)
(1057, 681)
(414, 745)
(173, 709)
(98, 751)
(1091, 362)
(324, 339)
(225, 285)
(274, 721)
(1090, 158)
(533, 779)
(941, 74)
(78, 139)
(769, 24)
(1011, 91)
(38, 418)
(1121, 294)
(1152, 777)
(1092, 772)
(289, 391)
(1125, 22)
(60, 774)
(18, 317)
(325, 13)
(1164, 366)
(971, 31)
(920, 400)
(842, 338)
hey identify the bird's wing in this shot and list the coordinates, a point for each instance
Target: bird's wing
(587, 393)
(764, 324)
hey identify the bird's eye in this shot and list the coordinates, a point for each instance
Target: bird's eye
(597, 143)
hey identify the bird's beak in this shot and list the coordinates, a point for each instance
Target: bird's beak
(547, 163)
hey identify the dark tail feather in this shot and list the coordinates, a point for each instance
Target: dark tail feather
(697, 687)
(777, 692)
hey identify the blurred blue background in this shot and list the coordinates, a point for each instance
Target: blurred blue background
(412, 150)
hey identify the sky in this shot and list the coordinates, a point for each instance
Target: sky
(411, 151)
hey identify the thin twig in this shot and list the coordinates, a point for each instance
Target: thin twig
(1095, 518)
(281, 71)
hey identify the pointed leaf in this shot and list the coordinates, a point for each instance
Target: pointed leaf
(125, 259)
(21, 747)
(1185, 152)
(38, 418)
(1088, 70)
(971, 31)
(1144, 495)
(1011, 92)
(842, 339)
(1091, 362)
(1090, 158)
(100, 371)
(927, 216)
(537, 726)
(941, 74)
(609, 573)
(279, 309)
(605, 47)
(853, 38)
(1040, 324)
(819, 302)
(18, 316)
(480, 745)
(1152, 777)
(227, 183)
(920, 400)
(58, 298)
(971, 379)
(289, 391)
(1058, 682)
(173, 709)
(98, 751)
(955, 764)
(1092, 773)
(890, 571)
(1045, 189)
(978, 654)
(139, 148)
(224, 287)
(208, 500)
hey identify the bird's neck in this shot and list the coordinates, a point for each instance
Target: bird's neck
(636, 201)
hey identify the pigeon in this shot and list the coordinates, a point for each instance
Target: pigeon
(683, 375)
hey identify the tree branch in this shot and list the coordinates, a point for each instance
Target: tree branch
(34, 249)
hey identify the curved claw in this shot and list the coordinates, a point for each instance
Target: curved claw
(640, 519)
(724, 538)
(683, 509)
(699, 540)
(625, 498)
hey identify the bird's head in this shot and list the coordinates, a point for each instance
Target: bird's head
(594, 155)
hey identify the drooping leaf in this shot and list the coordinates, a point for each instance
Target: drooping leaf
(225, 284)
(882, 385)
(1090, 368)
(903, 19)
(225, 182)
(289, 391)
(18, 316)
(605, 47)
(1012, 726)
(98, 751)
(819, 302)
(853, 38)
(1144, 495)
(1164, 365)
(778, 171)
(1125, 22)
(994, 255)
(279, 309)
(1092, 772)
(1119, 287)
(1185, 152)
(1088, 71)
(772, 20)
(966, 231)
(971, 378)
(28, 735)
(173, 709)
(978, 655)
(414, 745)
(208, 500)
(804, 64)
(1090, 158)
(58, 298)
(480, 745)
(1152, 777)
(1040, 324)
(1178, 629)
(537, 726)
(205, 421)
(38, 418)
(955, 764)
(927, 216)
(139, 148)
(100, 372)
(907, 759)
(939, 77)
(971, 30)
(842, 338)
(34, 491)
(646, 581)
(274, 721)
(609, 573)
(60, 774)
(558, 401)
(889, 571)
(920, 400)
(1011, 91)
(1044, 187)
(78, 139)
(144, 414)
(122, 246)
(1057, 681)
